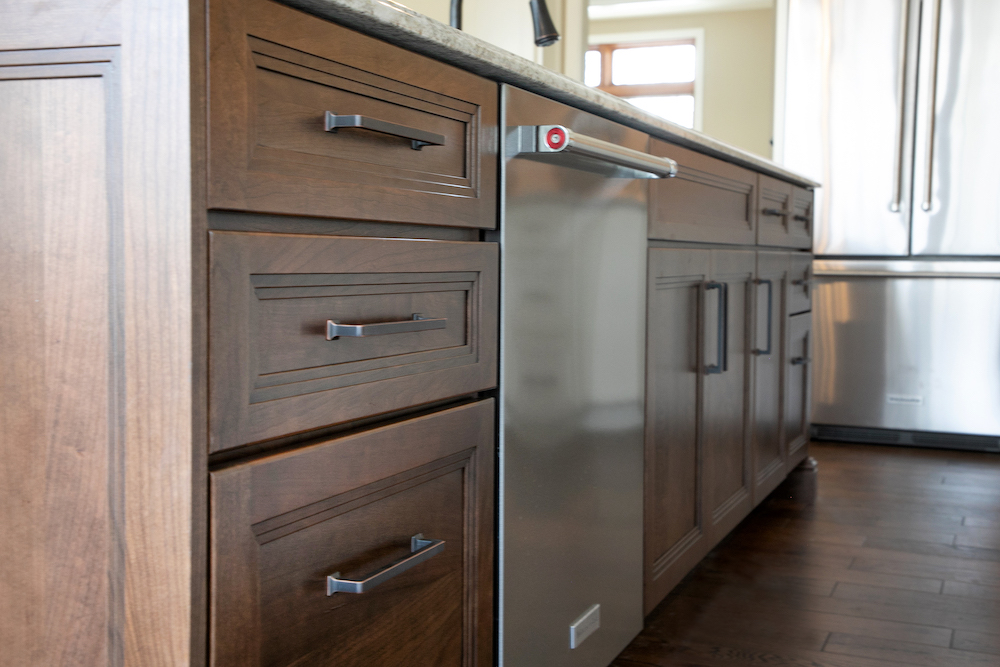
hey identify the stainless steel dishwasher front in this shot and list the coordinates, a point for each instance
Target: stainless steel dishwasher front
(573, 304)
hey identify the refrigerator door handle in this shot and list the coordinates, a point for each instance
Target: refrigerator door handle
(898, 167)
(770, 310)
(722, 329)
(928, 202)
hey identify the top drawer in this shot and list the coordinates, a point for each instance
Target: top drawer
(274, 74)
(785, 214)
(709, 200)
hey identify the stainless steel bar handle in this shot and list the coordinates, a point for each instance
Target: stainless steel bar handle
(420, 549)
(335, 330)
(560, 139)
(928, 202)
(770, 311)
(777, 212)
(904, 54)
(418, 138)
(722, 327)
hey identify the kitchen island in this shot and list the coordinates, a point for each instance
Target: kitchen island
(252, 351)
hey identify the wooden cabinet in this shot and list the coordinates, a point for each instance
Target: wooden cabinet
(275, 369)
(349, 507)
(771, 286)
(709, 200)
(785, 214)
(698, 481)
(798, 382)
(276, 73)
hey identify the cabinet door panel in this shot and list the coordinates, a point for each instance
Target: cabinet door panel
(768, 354)
(727, 410)
(797, 387)
(674, 528)
(350, 505)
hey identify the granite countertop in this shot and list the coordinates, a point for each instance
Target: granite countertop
(401, 25)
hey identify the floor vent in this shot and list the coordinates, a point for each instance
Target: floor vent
(881, 436)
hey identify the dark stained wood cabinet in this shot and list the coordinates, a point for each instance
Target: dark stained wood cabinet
(770, 308)
(273, 369)
(275, 72)
(349, 507)
(709, 200)
(798, 364)
(698, 478)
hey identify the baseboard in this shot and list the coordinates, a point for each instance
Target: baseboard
(885, 436)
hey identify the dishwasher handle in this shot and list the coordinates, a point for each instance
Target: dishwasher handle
(558, 143)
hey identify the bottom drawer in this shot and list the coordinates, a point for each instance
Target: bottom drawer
(283, 524)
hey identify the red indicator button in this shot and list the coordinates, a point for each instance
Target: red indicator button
(555, 138)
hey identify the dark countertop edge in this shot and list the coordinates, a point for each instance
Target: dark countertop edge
(424, 45)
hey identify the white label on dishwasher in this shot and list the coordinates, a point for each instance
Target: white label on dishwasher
(585, 626)
(901, 399)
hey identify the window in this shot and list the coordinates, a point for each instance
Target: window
(658, 77)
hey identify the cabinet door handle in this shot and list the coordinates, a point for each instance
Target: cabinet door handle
(779, 212)
(420, 549)
(722, 327)
(770, 310)
(418, 138)
(799, 361)
(802, 218)
(418, 323)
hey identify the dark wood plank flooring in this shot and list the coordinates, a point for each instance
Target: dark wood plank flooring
(894, 560)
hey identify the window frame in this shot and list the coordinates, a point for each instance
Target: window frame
(606, 44)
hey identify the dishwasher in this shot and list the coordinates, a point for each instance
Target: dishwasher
(572, 386)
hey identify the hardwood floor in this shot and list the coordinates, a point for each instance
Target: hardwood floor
(897, 562)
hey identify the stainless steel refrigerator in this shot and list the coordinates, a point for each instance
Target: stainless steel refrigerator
(572, 348)
(894, 106)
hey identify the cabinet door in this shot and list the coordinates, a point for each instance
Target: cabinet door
(727, 390)
(768, 342)
(348, 507)
(797, 387)
(675, 535)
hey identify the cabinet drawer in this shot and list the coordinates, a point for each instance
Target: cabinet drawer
(784, 214)
(800, 283)
(273, 370)
(281, 525)
(275, 72)
(709, 200)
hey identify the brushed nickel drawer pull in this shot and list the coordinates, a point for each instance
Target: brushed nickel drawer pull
(418, 323)
(802, 218)
(776, 212)
(421, 550)
(799, 361)
(418, 138)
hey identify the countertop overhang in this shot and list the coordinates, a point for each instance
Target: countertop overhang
(411, 30)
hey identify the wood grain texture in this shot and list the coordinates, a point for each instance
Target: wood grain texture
(59, 371)
(709, 200)
(767, 440)
(784, 591)
(157, 327)
(273, 372)
(350, 504)
(275, 71)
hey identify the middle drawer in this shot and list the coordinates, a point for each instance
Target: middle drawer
(279, 365)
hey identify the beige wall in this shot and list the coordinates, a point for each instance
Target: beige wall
(738, 88)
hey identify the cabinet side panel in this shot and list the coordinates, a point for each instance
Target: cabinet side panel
(56, 396)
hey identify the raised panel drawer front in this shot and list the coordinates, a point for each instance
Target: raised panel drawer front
(785, 214)
(417, 140)
(348, 507)
(709, 200)
(800, 283)
(309, 331)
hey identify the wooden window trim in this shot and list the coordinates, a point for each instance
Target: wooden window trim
(642, 90)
